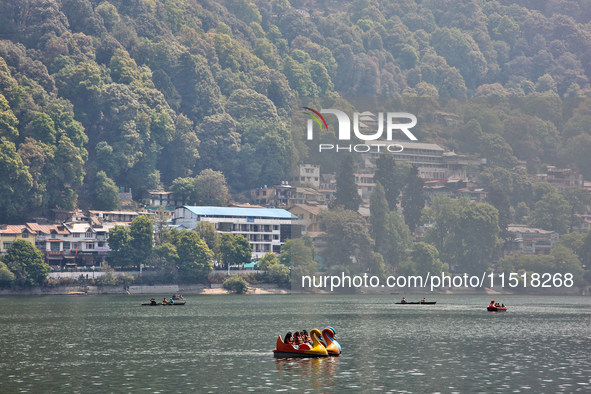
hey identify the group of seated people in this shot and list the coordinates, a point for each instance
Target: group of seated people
(497, 305)
(298, 338)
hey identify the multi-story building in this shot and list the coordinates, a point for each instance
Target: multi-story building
(365, 185)
(432, 161)
(263, 195)
(266, 229)
(532, 240)
(309, 213)
(307, 175)
(9, 234)
(159, 198)
(55, 242)
(565, 178)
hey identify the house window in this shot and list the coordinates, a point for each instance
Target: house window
(90, 245)
(76, 235)
(53, 235)
(88, 234)
(66, 246)
(25, 235)
(7, 245)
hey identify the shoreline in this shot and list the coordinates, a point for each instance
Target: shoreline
(264, 289)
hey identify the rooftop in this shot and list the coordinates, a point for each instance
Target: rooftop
(264, 213)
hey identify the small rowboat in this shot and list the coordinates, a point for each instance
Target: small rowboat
(159, 303)
(496, 308)
(415, 303)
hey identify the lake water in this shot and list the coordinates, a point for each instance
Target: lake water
(223, 344)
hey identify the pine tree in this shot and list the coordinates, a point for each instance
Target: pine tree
(387, 176)
(413, 199)
(378, 207)
(346, 194)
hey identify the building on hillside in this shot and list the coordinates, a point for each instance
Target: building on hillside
(584, 225)
(304, 195)
(266, 229)
(54, 241)
(159, 198)
(115, 216)
(11, 233)
(309, 213)
(365, 185)
(432, 161)
(563, 179)
(263, 195)
(532, 240)
(306, 175)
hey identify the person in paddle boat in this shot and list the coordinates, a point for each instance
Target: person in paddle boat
(307, 338)
(164, 302)
(423, 300)
(153, 302)
(171, 301)
(403, 300)
(492, 303)
(288, 339)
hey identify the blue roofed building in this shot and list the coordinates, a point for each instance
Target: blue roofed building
(266, 229)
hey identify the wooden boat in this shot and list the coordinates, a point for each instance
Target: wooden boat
(416, 303)
(317, 349)
(159, 303)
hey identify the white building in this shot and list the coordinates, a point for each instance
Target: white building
(266, 229)
(307, 175)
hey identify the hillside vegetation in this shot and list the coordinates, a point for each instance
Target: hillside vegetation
(96, 95)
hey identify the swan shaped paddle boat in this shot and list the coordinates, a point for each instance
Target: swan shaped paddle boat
(332, 346)
(317, 349)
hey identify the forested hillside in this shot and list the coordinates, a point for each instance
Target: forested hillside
(138, 93)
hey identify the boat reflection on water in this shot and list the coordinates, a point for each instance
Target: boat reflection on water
(320, 371)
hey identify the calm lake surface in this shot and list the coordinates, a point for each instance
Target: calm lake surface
(223, 344)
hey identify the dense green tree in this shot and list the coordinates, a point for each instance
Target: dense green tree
(210, 188)
(208, 233)
(141, 232)
(378, 207)
(413, 199)
(15, 185)
(8, 121)
(579, 200)
(105, 192)
(194, 261)
(267, 260)
(236, 283)
(398, 240)
(235, 249)
(348, 242)
(119, 242)
(6, 276)
(300, 258)
(426, 258)
(388, 177)
(278, 273)
(347, 195)
(26, 262)
(551, 213)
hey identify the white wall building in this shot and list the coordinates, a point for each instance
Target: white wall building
(266, 229)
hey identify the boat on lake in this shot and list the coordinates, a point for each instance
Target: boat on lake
(328, 340)
(317, 349)
(492, 307)
(421, 302)
(154, 303)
